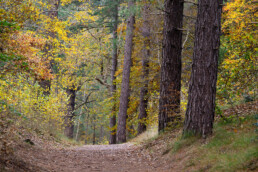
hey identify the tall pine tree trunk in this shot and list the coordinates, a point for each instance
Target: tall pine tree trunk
(112, 122)
(202, 90)
(145, 66)
(170, 85)
(121, 126)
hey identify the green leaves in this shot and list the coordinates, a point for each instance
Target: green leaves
(12, 59)
(8, 26)
(11, 109)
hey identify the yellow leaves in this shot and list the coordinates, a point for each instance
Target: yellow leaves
(238, 15)
(121, 28)
(58, 59)
(83, 17)
(27, 98)
(54, 28)
(18, 11)
(184, 98)
(65, 2)
(237, 70)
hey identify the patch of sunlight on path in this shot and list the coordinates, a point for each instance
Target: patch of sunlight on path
(124, 146)
(131, 144)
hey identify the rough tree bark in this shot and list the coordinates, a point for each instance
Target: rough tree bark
(121, 126)
(112, 122)
(171, 65)
(145, 65)
(202, 90)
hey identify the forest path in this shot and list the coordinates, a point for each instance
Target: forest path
(106, 158)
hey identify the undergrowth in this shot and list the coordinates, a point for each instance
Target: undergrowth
(61, 138)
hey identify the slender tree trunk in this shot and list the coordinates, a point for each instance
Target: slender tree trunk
(86, 129)
(94, 132)
(53, 13)
(78, 127)
(101, 132)
(170, 85)
(145, 66)
(69, 125)
(112, 122)
(78, 124)
(121, 126)
(202, 90)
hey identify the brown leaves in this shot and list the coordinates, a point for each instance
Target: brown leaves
(243, 109)
(7, 134)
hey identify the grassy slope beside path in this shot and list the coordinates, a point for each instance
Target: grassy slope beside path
(233, 146)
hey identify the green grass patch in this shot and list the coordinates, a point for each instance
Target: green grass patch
(231, 148)
(183, 143)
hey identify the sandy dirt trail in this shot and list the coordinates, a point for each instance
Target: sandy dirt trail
(89, 158)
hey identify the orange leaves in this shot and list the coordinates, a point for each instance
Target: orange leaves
(26, 44)
(121, 28)
(28, 47)
(22, 49)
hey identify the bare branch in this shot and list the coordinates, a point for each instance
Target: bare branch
(186, 38)
(102, 82)
(190, 2)
(85, 102)
(181, 29)
(190, 17)
(162, 10)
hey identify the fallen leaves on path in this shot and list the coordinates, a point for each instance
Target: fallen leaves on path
(107, 158)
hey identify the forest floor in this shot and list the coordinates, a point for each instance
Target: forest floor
(107, 158)
(233, 147)
(129, 157)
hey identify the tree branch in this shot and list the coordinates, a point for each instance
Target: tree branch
(85, 102)
(102, 82)
(190, 2)
(162, 10)
(186, 38)
(190, 17)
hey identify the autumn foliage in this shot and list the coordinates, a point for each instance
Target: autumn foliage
(238, 60)
(72, 52)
